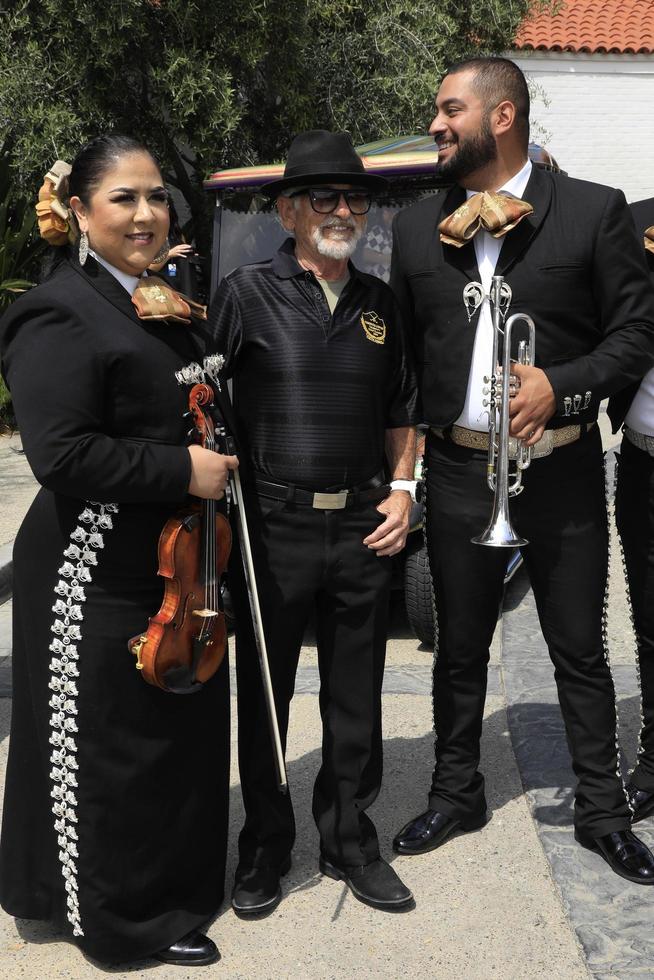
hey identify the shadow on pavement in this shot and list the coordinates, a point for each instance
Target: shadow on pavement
(543, 761)
(408, 767)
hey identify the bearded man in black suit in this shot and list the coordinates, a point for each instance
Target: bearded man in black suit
(634, 510)
(573, 264)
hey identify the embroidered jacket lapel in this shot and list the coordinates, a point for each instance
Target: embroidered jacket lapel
(539, 194)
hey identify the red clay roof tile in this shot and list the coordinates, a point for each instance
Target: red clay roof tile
(622, 26)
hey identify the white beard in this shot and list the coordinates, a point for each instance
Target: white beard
(332, 248)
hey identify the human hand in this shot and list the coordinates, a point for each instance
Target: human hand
(532, 406)
(390, 536)
(181, 251)
(209, 472)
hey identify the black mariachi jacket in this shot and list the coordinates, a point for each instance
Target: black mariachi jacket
(574, 266)
(643, 215)
(95, 391)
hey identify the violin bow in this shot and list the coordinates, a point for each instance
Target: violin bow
(255, 609)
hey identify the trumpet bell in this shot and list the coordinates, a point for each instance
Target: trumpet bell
(500, 534)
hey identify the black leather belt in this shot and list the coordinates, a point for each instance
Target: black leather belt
(368, 492)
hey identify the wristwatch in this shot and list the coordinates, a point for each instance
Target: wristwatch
(412, 487)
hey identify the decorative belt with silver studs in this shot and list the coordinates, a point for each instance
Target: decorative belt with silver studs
(550, 440)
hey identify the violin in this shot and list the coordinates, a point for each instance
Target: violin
(186, 641)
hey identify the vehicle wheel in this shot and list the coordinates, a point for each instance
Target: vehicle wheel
(417, 595)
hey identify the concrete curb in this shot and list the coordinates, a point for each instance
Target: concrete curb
(6, 571)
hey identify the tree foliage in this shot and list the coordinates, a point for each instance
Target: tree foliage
(213, 83)
(20, 247)
(377, 67)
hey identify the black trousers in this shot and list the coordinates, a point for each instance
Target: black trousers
(311, 560)
(562, 513)
(634, 509)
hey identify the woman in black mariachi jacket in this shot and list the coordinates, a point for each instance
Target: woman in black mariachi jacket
(115, 815)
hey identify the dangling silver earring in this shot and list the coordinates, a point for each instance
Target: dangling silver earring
(162, 254)
(83, 247)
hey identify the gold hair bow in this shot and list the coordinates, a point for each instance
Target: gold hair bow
(154, 299)
(53, 216)
(496, 213)
(649, 239)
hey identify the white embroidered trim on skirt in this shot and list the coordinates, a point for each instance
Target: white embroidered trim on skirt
(82, 556)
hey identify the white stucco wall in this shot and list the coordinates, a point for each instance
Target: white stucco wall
(600, 115)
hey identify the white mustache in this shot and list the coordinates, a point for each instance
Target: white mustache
(342, 222)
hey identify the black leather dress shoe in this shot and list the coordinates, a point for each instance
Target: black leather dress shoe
(257, 891)
(430, 830)
(641, 801)
(374, 884)
(624, 853)
(194, 949)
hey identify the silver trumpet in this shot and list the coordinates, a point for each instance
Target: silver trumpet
(502, 481)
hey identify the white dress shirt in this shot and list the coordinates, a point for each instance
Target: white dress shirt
(126, 281)
(487, 250)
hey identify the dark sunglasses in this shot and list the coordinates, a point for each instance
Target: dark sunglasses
(324, 200)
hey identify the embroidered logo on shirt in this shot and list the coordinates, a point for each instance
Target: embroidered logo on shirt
(374, 327)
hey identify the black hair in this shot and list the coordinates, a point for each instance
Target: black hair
(93, 160)
(88, 168)
(495, 79)
(175, 233)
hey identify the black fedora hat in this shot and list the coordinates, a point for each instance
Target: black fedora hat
(321, 157)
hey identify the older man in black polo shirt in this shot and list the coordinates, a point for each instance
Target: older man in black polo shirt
(323, 392)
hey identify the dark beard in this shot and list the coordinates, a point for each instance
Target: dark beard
(471, 154)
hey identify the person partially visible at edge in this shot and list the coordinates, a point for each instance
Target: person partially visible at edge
(567, 250)
(115, 814)
(634, 511)
(321, 343)
(176, 251)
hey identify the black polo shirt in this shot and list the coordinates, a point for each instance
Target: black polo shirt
(313, 392)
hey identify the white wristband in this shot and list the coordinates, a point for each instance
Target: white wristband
(408, 485)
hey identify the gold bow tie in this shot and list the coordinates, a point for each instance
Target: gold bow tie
(154, 299)
(495, 213)
(649, 239)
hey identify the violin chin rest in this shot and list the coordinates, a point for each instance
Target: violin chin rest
(179, 680)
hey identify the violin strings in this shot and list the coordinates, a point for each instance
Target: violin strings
(210, 548)
(210, 579)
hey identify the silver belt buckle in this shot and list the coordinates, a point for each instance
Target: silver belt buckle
(330, 501)
(543, 447)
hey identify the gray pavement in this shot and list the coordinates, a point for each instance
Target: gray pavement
(518, 899)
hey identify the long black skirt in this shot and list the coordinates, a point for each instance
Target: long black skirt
(115, 815)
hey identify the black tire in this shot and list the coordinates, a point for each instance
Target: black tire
(417, 594)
